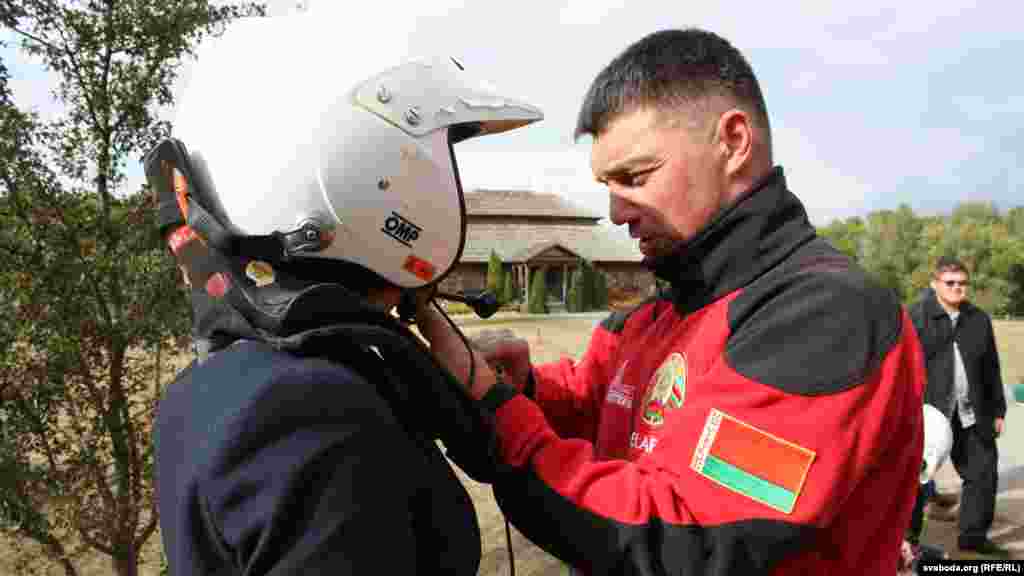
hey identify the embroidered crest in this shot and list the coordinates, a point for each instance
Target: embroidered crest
(752, 462)
(667, 389)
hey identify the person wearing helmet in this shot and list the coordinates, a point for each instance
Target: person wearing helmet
(763, 416)
(302, 208)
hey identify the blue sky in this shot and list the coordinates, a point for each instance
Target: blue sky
(872, 104)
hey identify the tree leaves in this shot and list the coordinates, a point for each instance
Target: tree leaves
(900, 249)
(91, 300)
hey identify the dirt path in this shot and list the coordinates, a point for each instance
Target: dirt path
(549, 340)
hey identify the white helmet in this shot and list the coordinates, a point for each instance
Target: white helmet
(295, 128)
(938, 441)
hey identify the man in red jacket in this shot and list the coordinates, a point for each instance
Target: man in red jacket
(763, 416)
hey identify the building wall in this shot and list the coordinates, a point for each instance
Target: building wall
(465, 276)
(621, 276)
(628, 277)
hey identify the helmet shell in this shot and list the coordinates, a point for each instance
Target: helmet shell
(290, 120)
(938, 442)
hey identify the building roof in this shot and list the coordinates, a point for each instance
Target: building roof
(539, 248)
(516, 242)
(483, 202)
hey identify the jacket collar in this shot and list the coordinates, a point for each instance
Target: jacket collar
(744, 241)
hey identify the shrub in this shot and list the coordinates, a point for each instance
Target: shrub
(494, 274)
(600, 301)
(538, 293)
(574, 302)
(508, 292)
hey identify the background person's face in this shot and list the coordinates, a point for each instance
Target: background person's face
(662, 179)
(951, 288)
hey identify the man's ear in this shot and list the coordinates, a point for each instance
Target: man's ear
(736, 140)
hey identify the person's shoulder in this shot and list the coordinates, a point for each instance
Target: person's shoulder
(816, 324)
(254, 381)
(821, 280)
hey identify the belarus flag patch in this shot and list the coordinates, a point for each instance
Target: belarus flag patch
(752, 462)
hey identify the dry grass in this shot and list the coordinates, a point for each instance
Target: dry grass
(549, 340)
(1010, 342)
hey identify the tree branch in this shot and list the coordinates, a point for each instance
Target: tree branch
(149, 529)
(99, 476)
(43, 537)
(83, 533)
(34, 38)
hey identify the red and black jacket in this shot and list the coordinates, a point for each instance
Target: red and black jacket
(764, 417)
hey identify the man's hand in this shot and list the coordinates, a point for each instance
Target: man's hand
(999, 427)
(448, 348)
(504, 351)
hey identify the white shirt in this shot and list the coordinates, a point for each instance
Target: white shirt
(961, 397)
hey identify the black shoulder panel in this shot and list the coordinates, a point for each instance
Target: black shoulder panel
(816, 325)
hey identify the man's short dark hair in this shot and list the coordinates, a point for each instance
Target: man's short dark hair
(671, 68)
(949, 264)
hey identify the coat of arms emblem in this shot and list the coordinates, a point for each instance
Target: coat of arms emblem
(666, 391)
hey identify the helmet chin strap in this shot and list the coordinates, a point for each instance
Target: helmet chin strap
(274, 248)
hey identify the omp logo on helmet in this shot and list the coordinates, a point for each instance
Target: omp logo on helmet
(401, 229)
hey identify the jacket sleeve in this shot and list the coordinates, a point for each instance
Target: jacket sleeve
(657, 514)
(313, 480)
(569, 392)
(993, 375)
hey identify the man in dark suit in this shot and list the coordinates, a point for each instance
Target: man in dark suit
(965, 384)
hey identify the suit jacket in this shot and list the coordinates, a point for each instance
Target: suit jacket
(974, 335)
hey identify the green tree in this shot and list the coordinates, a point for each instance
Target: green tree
(587, 288)
(846, 235)
(1014, 220)
(494, 274)
(92, 299)
(892, 249)
(600, 301)
(574, 302)
(538, 293)
(976, 234)
(508, 292)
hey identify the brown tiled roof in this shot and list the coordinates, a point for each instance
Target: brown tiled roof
(539, 248)
(482, 202)
(516, 242)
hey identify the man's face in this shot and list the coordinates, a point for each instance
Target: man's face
(951, 288)
(663, 180)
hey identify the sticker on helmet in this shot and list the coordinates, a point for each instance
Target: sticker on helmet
(401, 229)
(180, 238)
(419, 267)
(260, 272)
(180, 186)
(217, 285)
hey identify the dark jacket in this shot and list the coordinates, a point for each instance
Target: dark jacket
(977, 344)
(271, 463)
(318, 453)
